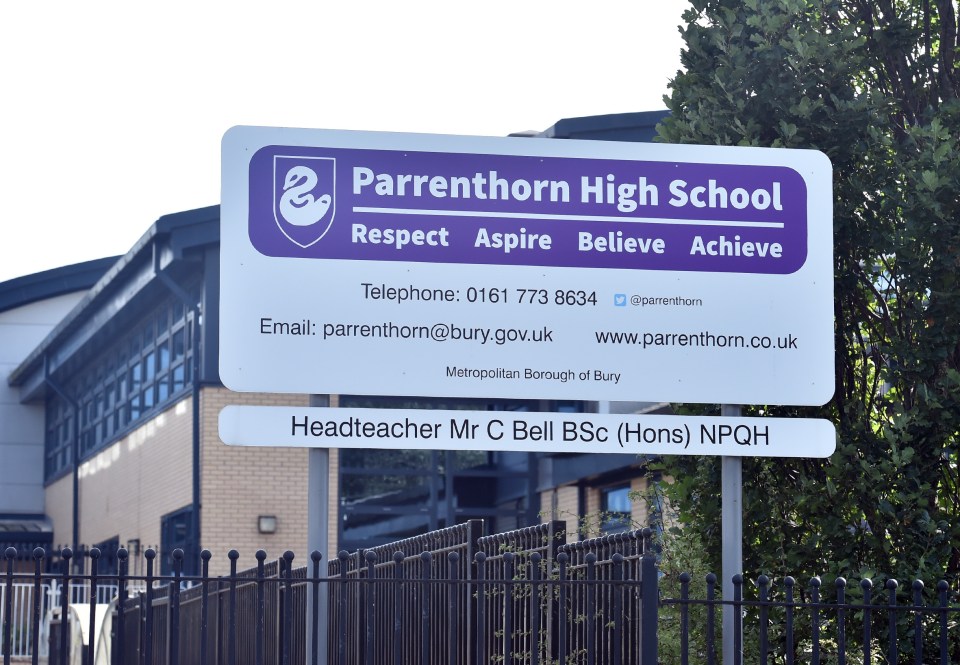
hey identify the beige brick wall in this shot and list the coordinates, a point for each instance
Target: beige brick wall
(239, 483)
(639, 508)
(562, 503)
(593, 500)
(58, 497)
(126, 488)
(333, 496)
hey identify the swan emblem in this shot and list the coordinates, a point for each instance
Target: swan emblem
(298, 206)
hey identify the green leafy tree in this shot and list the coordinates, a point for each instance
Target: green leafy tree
(874, 84)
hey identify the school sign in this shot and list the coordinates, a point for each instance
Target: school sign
(406, 264)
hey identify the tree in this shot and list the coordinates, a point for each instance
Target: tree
(873, 84)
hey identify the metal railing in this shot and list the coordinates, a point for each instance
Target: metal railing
(521, 598)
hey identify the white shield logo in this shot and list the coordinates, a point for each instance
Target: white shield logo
(303, 196)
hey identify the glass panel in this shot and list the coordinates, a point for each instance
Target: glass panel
(615, 502)
(370, 530)
(150, 366)
(148, 398)
(163, 352)
(178, 338)
(178, 378)
(384, 490)
(365, 458)
(470, 459)
(163, 320)
(163, 390)
(617, 499)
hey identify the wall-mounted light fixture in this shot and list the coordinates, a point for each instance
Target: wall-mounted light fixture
(267, 523)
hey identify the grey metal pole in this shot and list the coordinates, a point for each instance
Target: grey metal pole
(318, 521)
(731, 515)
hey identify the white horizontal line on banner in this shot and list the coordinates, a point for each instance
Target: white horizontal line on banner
(426, 212)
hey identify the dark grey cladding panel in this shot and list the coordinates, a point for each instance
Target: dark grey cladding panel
(556, 470)
(52, 283)
(638, 127)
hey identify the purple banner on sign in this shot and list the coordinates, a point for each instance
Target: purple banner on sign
(382, 205)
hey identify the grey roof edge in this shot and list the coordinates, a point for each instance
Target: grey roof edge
(165, 225)
(21, 291)
(611, 124)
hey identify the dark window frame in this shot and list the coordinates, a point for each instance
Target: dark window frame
(613, 518)
(117, 392)
(434, 477)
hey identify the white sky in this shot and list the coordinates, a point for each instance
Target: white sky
(112, 112)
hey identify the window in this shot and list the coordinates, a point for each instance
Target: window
(391, 494)
(108, 563)
(176, 532)
(615, 509)
(131, 380)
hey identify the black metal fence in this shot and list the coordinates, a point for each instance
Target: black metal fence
(455, 598)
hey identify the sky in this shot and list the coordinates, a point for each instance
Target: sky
(113, 112)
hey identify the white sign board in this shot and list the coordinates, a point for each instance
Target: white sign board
(403, 264)
(318, 427)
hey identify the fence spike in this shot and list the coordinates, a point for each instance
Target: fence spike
(7, 644)
(92, 626)
(763, 582)
(38, 556)
(942, 588)
(711, 581)
(789, 583)
(232, 555)
(147, 645)
(685, 618)
(841, 585)
(918, 622)
(315, 557)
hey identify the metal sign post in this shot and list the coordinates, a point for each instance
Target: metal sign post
(318, 521)
(731, 515)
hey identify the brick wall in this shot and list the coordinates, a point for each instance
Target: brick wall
(562, 503)
(639, 508)
(333, 496)
(152, 465)
(58, 497)
(238, 484)
(125, 488)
